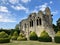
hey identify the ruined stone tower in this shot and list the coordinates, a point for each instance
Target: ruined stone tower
(38, 22)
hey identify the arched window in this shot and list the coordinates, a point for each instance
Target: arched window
(40, 21)
(31, 23)
(25, 25)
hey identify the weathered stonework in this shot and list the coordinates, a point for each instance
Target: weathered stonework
(38, 22)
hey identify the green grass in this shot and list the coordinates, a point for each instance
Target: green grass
(29, 43)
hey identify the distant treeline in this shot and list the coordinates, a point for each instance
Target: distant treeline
(9, 31)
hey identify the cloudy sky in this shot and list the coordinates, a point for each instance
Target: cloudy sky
(13, 11)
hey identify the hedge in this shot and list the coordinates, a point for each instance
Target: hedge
(21, 37)
(4, 40)
(15, 35)
(44, 37)
(33, 36)
(57, 37)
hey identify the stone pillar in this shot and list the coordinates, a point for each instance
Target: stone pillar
(27, 31)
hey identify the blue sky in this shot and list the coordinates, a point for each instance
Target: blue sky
(13, 11)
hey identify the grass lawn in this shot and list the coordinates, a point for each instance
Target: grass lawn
(29, 43)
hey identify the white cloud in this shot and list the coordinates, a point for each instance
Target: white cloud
(25, 1)
(37, 8)
(3, 9)
(42, 7)
(20, 7)
(35, 11)
(3, 1)
(1, 16)
(55, 12)
(14, 1)
(51, 2)
(5, 15)
(5, 18)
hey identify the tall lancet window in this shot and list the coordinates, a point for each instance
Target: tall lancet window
(40, 21)
(37, 22)
(25, 25)
(31, 23)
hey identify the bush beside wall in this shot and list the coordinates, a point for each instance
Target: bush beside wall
(15, 35)
(44, 37)
(33, 36)
(57, 37)
(21, 37)
(4, 38)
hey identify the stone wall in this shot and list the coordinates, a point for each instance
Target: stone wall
(46, 23)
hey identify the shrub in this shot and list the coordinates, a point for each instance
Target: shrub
(3, 34)
(4, 38)
(21, 37)
(44, 37)
(9, 36)
(57, 37)
(44, 34)
(15, 35)
(33, 36)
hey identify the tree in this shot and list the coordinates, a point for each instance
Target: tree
(15, 35)
(58, 24)
(55, 28)
(8, 31)
(17, 27)
(57, 37)
(4, 37)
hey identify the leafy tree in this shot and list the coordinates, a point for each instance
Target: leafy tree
(55, 28)
(3, 35)
(58, 23)
(15, 35)
(4, 38)
(58, 33)
(17, 27)
(12, 31)
(57, 37)
(8, 31)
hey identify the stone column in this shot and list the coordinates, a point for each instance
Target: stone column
(27, 30)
